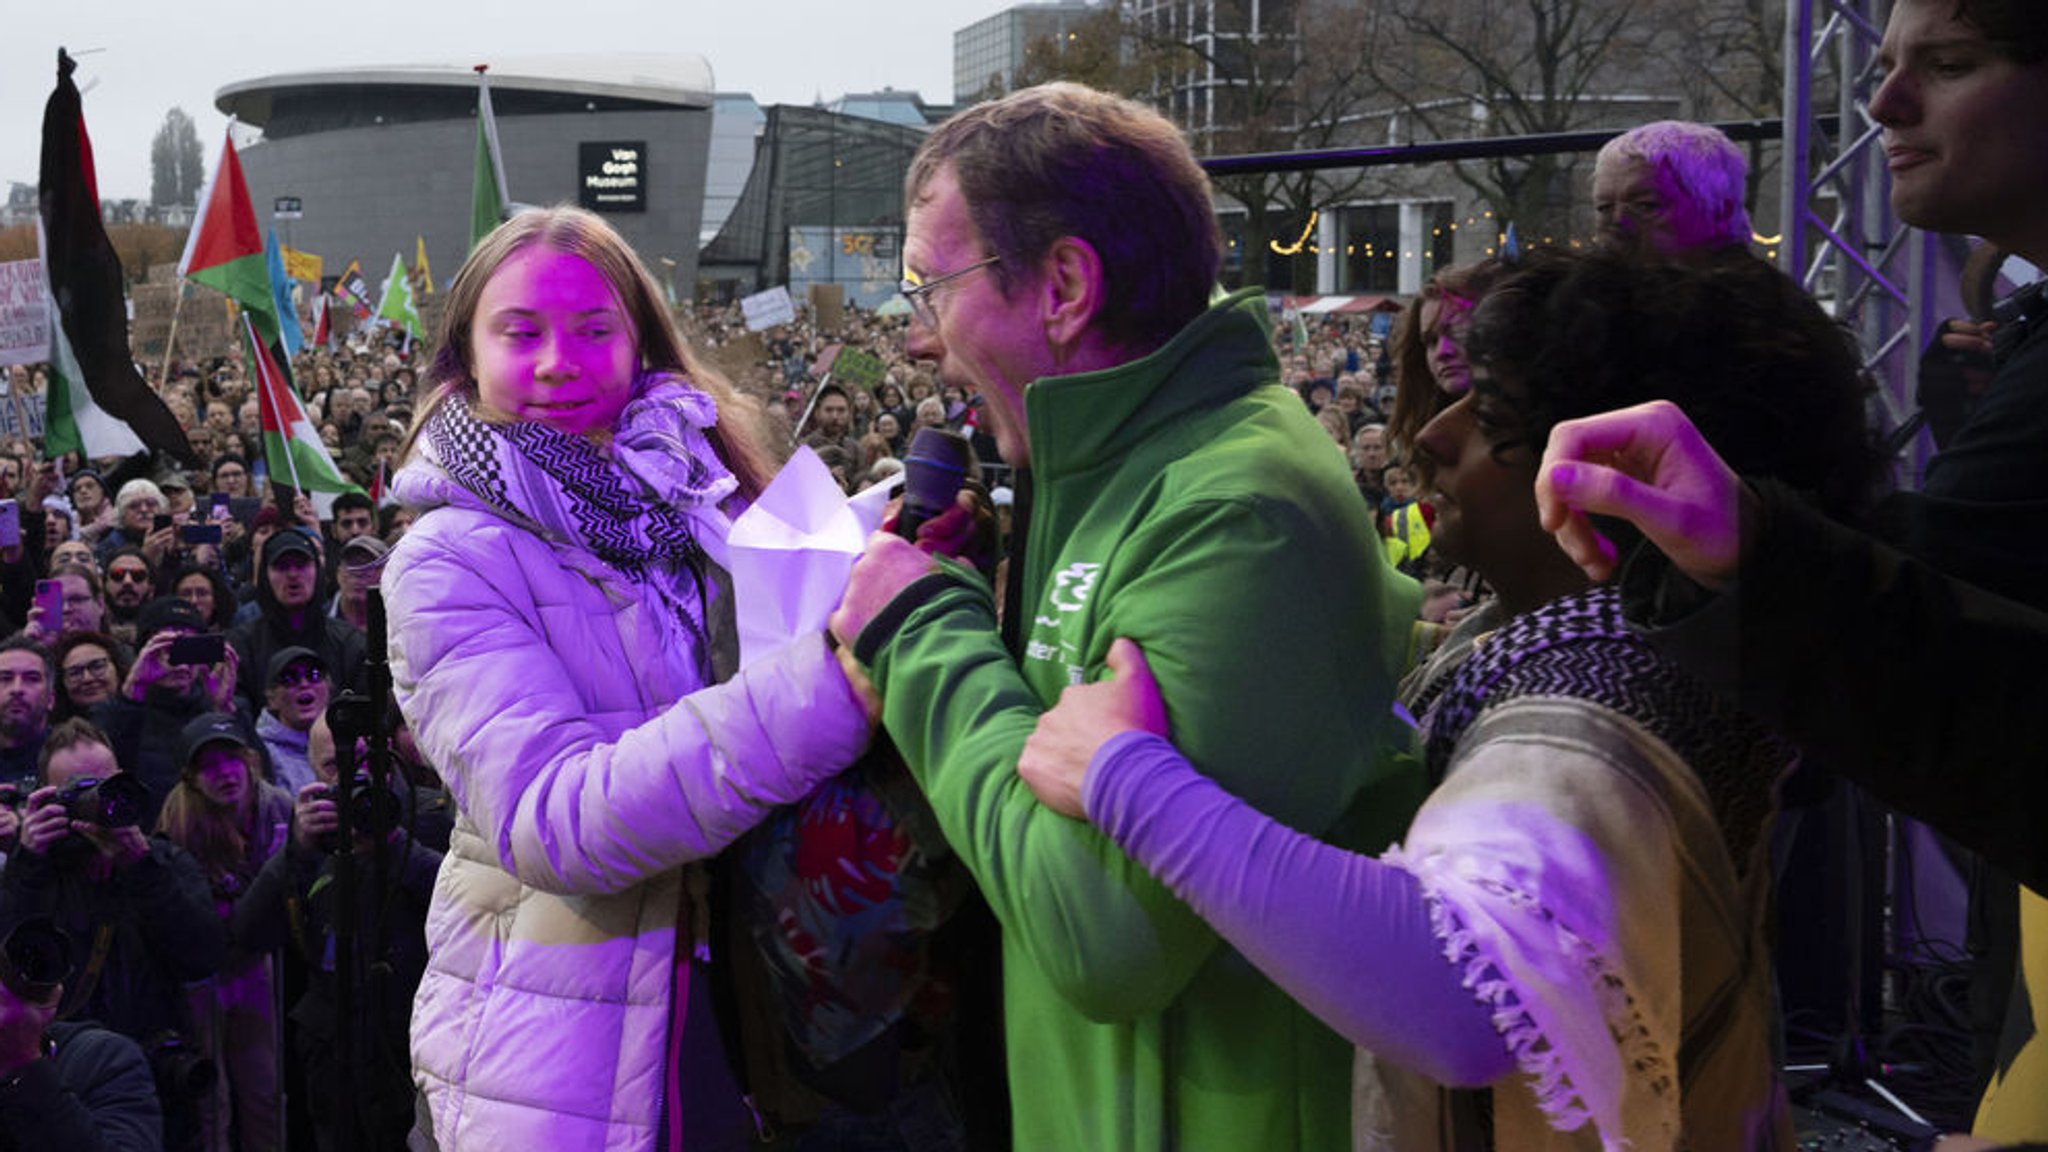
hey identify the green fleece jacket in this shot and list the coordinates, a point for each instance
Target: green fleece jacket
(1188, 502)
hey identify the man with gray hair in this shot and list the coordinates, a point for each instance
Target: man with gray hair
(1671, 186)
(1060, 253)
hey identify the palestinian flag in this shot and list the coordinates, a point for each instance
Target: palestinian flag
(97, 394)
(380, 488)
(225, 251)
(71, 421)
(292, 452)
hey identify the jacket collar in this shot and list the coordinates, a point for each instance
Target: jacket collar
(1079, 421)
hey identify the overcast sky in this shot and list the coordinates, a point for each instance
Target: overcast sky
(164, 53)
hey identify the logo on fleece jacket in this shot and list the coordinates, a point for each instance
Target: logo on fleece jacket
(1068, 594)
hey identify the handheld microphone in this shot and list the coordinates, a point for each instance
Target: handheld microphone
(933, 470)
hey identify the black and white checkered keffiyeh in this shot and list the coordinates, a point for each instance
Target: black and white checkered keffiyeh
(1579, 646)
(640, 507)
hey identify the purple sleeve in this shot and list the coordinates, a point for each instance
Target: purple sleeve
(1344, 934)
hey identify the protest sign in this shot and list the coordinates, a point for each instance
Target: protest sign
(24, 313)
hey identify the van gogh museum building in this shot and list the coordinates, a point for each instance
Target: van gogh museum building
(718, 195)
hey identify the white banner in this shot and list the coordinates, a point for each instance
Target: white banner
(769, 308)
(24, 313)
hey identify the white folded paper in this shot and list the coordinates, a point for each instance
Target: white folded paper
(791, 551)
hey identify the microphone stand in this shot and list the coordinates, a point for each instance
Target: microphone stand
(351, 717)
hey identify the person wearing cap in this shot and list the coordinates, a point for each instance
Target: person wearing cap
(295, 696)
(241, 557)
(158, 697)
(139, 903)
(355, 573)
(291, 596)
(231, 821)
(292, 907)
(177, 490)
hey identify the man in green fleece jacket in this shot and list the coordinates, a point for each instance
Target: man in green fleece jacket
(1059, 257)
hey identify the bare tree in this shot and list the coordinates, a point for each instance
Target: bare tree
(1518, 67)
(177, 166)
(1241, 77)
(1729, 60)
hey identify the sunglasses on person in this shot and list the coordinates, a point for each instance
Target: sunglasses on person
(129, 576)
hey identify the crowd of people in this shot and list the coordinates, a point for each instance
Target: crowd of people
(1285, 784)
(176, 635)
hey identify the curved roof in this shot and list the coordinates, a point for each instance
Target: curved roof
(682, 79)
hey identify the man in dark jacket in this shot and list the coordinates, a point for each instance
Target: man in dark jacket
(294, 904)
(292, 594)
(28, 685)
(1981, 515)
(143, 719)
(74, 1086)
(138, 909)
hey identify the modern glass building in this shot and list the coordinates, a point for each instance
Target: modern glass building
(822, 204)
(988, 52)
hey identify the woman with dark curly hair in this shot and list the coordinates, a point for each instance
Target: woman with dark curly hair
(1573, 923)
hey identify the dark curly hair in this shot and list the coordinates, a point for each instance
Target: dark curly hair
(2015, 27)
(1772, 382)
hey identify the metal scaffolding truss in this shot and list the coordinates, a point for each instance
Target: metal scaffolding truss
(1841, 240)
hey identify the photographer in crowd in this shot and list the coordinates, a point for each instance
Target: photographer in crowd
(292, 594)
(231, 821)
(292, 905)
(138, 909)
(179, 674)
(70, 1085)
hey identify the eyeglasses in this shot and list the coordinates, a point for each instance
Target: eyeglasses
(129, 576)
(918, 290)
(89, 670)
(293, 677)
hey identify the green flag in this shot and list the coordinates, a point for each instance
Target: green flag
(487, 193)
(397, 303)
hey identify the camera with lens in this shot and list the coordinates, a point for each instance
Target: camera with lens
(372, 812)
(115, 802)
(34, 959)
(182, 1072)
